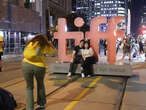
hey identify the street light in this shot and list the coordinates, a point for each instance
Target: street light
(1, 33)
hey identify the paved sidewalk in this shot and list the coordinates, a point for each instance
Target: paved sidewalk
(12, 57)
(19, 92)
(134, 99)
(135, 96)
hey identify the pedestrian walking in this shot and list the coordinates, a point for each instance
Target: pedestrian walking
(118, 44)
(126, 48)
(100, 45)
(135, 49)
(76, 58)
(105, 47)
(1, 51)
(54, 41)
(34, 66)
(141, 43)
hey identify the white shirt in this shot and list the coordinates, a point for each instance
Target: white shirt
(86, 52)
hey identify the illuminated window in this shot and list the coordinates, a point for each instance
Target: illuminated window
(28, 3)
(32, 1)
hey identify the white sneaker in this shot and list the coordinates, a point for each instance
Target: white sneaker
(69, 74)
(82, 75)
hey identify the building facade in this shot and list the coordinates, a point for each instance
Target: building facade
(20, 19)
(108, 8)
(58, 9)
(83, 7)
(17, 21)
(142, 25)
(143, 20)
(111, 8)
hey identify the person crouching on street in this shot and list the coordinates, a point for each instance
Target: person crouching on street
(33, 65)
(76, 58)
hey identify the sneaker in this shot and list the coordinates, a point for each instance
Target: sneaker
(40, 108)
(69, 74)
(81, 68)
(82, 75)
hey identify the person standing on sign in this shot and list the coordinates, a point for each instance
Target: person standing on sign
(1, 51)
(34, 66)
(76, 58)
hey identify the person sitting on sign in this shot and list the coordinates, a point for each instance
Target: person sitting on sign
(1, 51)
(88, 60)
(76, 58)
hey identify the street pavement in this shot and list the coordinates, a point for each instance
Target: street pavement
(100, 92)
(12, 57)
(77, 96)
(135, 96)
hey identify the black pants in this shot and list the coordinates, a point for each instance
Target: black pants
(55, 43)
(73, 66)
(88, 65)
(117, 49)
(141, 48)
(1, 53)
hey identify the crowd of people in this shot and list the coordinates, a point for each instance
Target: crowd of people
(39, 47)
(84, 54)
(133, 46)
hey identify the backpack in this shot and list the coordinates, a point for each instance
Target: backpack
(134, 55)
(7, 101)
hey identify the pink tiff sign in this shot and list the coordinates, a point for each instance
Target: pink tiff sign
(94, 35)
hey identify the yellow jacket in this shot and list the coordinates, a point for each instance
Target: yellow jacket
(1, 44)
(39, 60)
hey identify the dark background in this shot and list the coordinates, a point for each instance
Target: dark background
(136, 7)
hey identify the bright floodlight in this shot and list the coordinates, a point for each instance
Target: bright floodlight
(1, 33)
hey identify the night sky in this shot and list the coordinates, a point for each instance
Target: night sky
(136, 7)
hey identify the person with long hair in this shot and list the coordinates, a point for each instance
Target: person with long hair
(88, 60)
(33, 65)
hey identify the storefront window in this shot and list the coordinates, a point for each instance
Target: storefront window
(14, 42)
